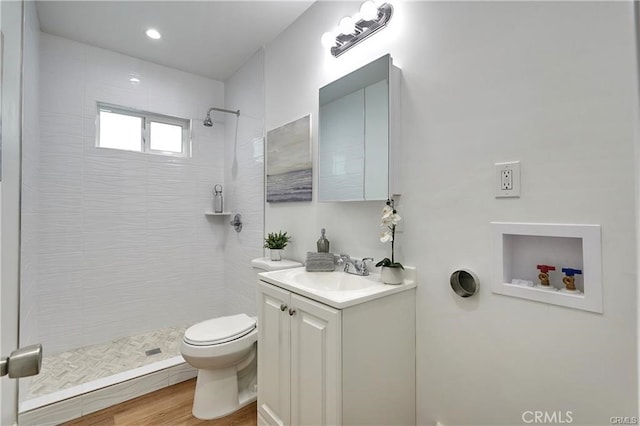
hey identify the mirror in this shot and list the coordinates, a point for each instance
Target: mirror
(355, 134)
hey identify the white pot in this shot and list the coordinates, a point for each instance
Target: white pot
(276, 254)
(392, 275)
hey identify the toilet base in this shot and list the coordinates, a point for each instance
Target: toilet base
(216, 394)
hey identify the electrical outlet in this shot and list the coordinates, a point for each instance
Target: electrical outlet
(508, 179)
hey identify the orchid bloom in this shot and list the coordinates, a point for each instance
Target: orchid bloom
(387, 211)
(394, 219)
(390, 219)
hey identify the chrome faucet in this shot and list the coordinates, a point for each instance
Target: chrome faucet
(354, 266)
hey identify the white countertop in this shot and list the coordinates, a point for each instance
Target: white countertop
(337, 289)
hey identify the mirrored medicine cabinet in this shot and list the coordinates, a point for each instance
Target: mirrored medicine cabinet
(358, 140)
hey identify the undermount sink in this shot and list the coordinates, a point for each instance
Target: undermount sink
(337, 289)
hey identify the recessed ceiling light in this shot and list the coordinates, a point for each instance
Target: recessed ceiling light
(134, 80)
(153, 33)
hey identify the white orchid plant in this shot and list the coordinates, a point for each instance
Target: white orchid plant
(390, 219)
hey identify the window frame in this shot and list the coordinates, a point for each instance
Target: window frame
(145, 130)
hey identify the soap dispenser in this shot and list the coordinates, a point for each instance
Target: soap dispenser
(323, 243)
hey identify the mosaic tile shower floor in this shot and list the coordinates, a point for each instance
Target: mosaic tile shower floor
(89, 363)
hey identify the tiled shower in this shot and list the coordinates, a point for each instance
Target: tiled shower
(116, 243)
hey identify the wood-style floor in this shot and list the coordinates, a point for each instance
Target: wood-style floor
(170, 406)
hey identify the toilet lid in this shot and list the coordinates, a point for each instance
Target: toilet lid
(219, 330)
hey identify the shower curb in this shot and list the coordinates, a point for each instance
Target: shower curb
(108, 392)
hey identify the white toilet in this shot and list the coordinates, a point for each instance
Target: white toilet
(224, 352)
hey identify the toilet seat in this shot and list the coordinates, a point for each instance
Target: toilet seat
(219, 330)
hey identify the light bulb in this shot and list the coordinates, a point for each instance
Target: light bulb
(328, 39)
(347, 26)
(153, 33)
(368, 11)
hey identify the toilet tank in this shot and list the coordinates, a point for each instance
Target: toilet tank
(265, 264)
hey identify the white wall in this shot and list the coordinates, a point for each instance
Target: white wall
(244, 179)
(552, 84)
(124, 246)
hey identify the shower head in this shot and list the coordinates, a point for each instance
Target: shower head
(207, 121)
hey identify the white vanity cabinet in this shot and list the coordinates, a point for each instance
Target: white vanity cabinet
(299, 363)
(320, 365)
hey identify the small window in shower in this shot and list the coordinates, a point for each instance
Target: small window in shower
(120, 131)
(133, 130)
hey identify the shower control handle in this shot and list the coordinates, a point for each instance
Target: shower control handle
(283, 307)
(237, 222)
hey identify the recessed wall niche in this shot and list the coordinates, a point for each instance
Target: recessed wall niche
(522, 251)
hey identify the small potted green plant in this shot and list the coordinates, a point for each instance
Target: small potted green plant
(391, 272)
(276, 242)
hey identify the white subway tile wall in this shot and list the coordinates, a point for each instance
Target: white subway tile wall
(117, 242)
(244, 177)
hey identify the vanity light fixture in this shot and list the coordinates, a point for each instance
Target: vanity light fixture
(352, 30)
(153, 33)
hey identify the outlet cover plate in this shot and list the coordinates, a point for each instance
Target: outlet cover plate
(507, 183)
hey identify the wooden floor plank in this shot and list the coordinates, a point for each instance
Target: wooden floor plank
(170, 406)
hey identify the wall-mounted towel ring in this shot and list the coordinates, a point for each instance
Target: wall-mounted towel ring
(464, 282)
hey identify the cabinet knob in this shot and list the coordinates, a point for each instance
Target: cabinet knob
(283, 307)
(292, 312)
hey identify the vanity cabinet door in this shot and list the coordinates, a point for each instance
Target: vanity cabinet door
(315, 363)
(274, 380)
(299, 360)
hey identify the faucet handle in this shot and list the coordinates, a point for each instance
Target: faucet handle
(363, 265)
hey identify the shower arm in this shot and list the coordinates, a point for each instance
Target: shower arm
(223, 110)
